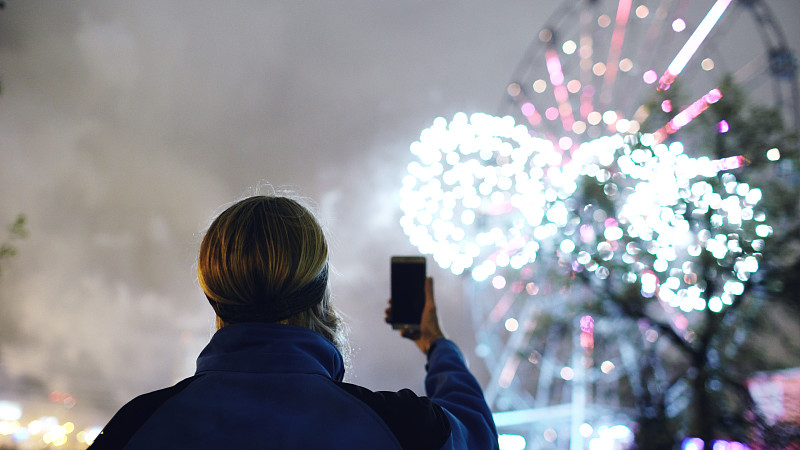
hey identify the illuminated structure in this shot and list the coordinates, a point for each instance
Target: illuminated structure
(572, 200)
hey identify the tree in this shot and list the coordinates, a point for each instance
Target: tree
(16, 230)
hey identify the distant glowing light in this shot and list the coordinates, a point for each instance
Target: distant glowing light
(692, 444)
(574, 86)
(551, 113)
(528, 109)
(603, 21)
(692, 44)
(514, 89)
(666, 105)
(594, 118)
(607, 366)
(650, 77)
(723, 127)
(585, 430)
(539, 86)
(554, 68)
(642, 11)
(550, 435)
(511, 442)
(707, 64)
(773, 154)
(10, 411)
(609, 437)
(511, 324)
(599, 69)
(625, 64)
(546, 35)
(569, 47)
(678, 25)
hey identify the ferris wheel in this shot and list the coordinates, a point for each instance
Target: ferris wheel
(504, 201)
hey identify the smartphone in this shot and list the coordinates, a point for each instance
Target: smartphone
(408, 291)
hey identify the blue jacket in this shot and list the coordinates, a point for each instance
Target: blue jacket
(263, 385)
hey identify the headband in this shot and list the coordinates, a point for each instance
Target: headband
(276, 308)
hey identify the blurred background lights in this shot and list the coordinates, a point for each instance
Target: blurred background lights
(611, 437)
(10, 411)
(650, 76)
(511, 324)
(485, 196)
(773, 154)
(678, 25)
(569, 47)
(511, 442)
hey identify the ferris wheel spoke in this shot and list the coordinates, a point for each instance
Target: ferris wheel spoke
(615, 50)
(692, 44)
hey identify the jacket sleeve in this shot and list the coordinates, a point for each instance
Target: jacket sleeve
(450, 385)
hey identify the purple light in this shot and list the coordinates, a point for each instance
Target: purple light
(692, 44)
(692, 444)
(723, 127)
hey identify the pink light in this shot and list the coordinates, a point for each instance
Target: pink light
(650, 77)
(528, 109)
(508, 372)
(723, 127)
(554, 67)
(687, 115)
(730, 163)
(561, 92)
(587, 324)
(587, 234)
(617, 39)
(692, 44)
(586, 101)
(713, 96)
(551, 113)
(501, 307)
(666, 105)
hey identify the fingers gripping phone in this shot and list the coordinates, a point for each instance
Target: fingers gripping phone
(408, 291)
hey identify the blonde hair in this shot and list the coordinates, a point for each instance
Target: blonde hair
(268, 253)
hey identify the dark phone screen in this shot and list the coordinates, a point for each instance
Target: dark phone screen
(408, 290)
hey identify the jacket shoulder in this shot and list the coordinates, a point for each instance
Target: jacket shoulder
(127, 421)
(416, 421)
